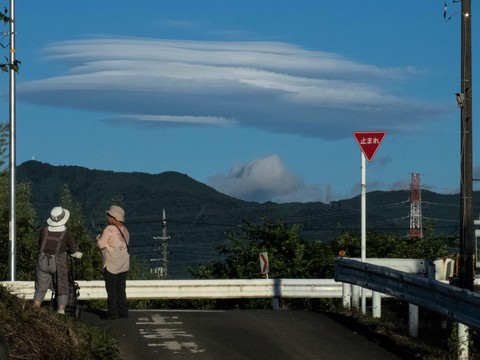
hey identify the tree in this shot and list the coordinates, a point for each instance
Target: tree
(26, 232)
(289, 255)
(25, 220)
(391, 246)
(292, 257)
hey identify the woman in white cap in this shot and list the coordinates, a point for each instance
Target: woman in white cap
(116, 262)
(54, 243)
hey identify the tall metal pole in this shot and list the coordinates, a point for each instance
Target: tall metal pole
(363, 249)
(12, 165)
(466, 268)
(165, 245)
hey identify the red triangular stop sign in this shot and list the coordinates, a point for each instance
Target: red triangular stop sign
(369, 142)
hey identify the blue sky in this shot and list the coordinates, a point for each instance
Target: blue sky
(258, 99)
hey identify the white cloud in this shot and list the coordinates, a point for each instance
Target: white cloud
(265, 179)
(277, 87)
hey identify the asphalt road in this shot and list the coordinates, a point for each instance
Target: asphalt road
(236, 334)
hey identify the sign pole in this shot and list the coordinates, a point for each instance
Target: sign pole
(369, 143)
(364, 225)
(364, 209)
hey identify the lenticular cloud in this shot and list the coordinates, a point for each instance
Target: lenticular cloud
(277, 87)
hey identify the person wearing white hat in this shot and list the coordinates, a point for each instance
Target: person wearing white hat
(114, 242)
(54, 243)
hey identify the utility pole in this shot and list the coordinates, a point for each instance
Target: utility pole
(464, 98)
(12, 162)
(164, 238)
(165, 245)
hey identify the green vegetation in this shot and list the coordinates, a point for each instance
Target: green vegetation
(290, 256)
(37, 334)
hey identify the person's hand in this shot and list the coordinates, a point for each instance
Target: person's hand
(77, 255)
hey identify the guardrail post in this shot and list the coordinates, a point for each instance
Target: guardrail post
(376, 304)
(431, 270)
(347, 295)
(276, 303)
(462, 342)
(356, 297)
(413, 320)
(277, 292)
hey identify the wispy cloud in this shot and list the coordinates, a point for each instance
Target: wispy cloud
(273, 86)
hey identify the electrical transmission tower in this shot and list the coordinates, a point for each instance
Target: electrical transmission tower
(415, 208)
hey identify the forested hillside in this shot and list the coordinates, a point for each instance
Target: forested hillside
(198, 216)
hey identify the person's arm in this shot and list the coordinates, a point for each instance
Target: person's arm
(102, 239)
(73, 248)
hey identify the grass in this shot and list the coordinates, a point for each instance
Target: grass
(391, 337)
(36, 334)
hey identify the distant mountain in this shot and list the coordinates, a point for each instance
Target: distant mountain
(198, 216)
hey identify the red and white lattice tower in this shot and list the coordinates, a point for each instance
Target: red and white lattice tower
(415, 207)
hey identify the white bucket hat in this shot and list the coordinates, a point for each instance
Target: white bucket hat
(117, 213)
(58, 216)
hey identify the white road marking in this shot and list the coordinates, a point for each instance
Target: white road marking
(157, 319)
(162, 330)
(177, 347)
(163, 333)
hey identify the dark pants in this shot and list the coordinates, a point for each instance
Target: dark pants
(115, 284)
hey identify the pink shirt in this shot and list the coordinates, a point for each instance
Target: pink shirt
(114, 249)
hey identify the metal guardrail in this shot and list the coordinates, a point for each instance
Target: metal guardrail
(200, 289)
(456, 303)
(218, 289)
(412, 266)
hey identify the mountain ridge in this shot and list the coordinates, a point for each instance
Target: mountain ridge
(198, 216)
